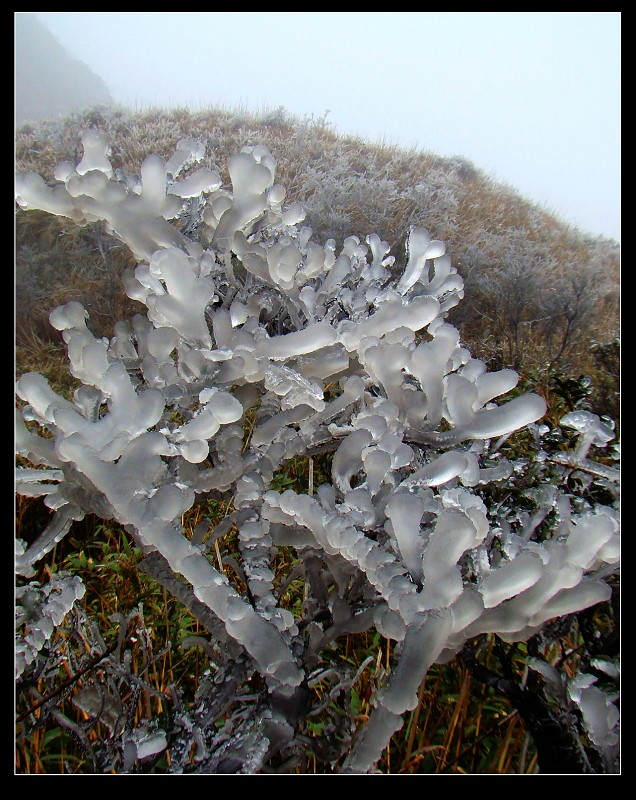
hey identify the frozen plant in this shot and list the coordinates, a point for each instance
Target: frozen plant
(39, 612)
(328, 349)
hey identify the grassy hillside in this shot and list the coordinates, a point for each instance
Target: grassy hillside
(540, 295)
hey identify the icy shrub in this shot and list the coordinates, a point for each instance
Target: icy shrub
(329, 349)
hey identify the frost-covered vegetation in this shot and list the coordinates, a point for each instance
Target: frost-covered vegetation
(298, 448)
(538, 291)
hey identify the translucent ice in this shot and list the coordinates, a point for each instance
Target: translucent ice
(438, 472)
(250, 181)
(312, 338)
(506, 418)
(95, 155)
(405, 511)
(417, 244)
(510, 579)
(188, 151)
(600, 715)
(204, 180)
(182, 305)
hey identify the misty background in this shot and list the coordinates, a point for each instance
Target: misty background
(532, 98)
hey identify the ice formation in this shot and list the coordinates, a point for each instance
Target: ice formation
(333, 350)
(42, 610)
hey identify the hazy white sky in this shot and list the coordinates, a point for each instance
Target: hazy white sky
(532, 98)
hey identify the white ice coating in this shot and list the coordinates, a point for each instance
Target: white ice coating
(39, 612)
(204, 180)
(421, 249)
(312, 338)
(149, 744)
(455, 532)
(512, 578)
(594, 432)
(182, 303)
(263, 346)
(405, 513)
(391, 314)
(96, 155)
(600, 714)
(189, 151)
(251, 178)
(438, 472)
(423, 644)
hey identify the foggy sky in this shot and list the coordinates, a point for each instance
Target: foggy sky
(532, 98)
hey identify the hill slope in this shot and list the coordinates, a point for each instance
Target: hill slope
(538, 291)
(49, 82)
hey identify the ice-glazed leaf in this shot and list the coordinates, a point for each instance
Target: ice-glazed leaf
(592, 430)
(149, 743)
(585, 421)
(203, 180)
(250, 181)
(95, 155)
(188, 151)
(417, 245)
(32, 192)
(293, 388)
(466, 609)
(429, 365)
(267, 431)
(494, 384)
(587, 539)
(391, 314)
(453, 534)
(506, 418)
(186, 296)
(405, 511)
(347, 460)
(308, 340)
(438, 472)
(510, 579)
(567, 601)
(35, 390)
(377, 466)
(600, 715)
